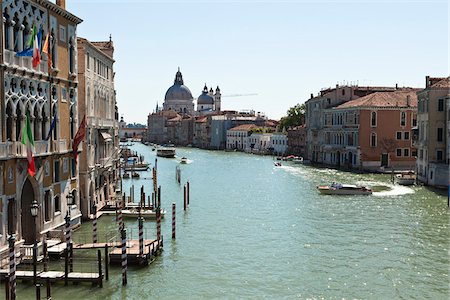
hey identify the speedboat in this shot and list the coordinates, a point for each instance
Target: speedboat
(183, 160)
(405, 178)
(344, 189)
(298, 160)
(277, 164)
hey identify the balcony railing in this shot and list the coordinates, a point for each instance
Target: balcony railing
(24, 62)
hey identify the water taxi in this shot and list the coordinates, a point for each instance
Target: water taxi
(183, 160)
(405, 178)
(344, 189)
(168, 152)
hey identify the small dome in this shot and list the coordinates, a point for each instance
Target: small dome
(204, 98)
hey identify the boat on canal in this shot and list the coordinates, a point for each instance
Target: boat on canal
(136, 163)
(168, 152)
(343, 189)
(183, 160)
(134, 213)
(405, 178)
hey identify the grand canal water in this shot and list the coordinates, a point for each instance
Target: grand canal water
(253, 230)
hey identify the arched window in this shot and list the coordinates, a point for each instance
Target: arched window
(71, 56)
(18, 122)
(6, 28)
(9, 121)
(57, 201)
(72, 121)
(55, 130)
(26, 33)
(47, 206)
(373, 139)
(37, 125)
(16, 32)
(373, 119)
(53, 48)
(44, 120)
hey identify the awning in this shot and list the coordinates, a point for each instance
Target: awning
(106, 136)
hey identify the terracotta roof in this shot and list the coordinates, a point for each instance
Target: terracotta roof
(444, 83)
(201, 119)
(244, 127)
(176, 119)
(384, 99)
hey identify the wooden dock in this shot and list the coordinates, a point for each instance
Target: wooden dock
(55, 276)
(151, 249)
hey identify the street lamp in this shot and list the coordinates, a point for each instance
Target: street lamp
(34, 212)
(70, 199)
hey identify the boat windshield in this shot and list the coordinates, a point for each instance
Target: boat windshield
(336, 185)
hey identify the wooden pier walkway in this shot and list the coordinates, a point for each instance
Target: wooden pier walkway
(55, 276)
(151, 249)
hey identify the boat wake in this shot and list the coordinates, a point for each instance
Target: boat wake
(382, 189)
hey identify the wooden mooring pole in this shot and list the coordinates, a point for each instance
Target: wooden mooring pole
(184, 198)
(123, 234)
(173, 220)
(12, 267)
(45, 254)
(94, 224)
(188, 192)
(106, 262)
(100, 275)
(49, 289)
(141, 234)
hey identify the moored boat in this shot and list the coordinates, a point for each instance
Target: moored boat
(344, 189)
(134, 213)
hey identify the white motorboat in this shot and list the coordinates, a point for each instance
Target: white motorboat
(146, 213)
(344, 189)
(405, 178)
(183, 160)
(298, 160)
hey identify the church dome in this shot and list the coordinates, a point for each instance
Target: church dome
(204, 98)
(178, 91)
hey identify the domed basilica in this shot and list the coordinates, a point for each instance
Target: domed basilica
(179, 98)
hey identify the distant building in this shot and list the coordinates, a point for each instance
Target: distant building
(97, 101)
(202, 132)
(259, 143)
(237, 136)
(178, 97)
(433, 128)
(126, 131)
(279, 143)
(297, 141)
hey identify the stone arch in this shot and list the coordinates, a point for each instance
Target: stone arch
(29, 192)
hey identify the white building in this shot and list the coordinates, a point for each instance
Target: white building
(178, 97)
(259, 143)
(237, 137)
(279, 143)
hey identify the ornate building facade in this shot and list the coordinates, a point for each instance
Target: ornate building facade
(97, 101)
(48, 94)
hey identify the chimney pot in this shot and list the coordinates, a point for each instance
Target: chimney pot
(61, 3)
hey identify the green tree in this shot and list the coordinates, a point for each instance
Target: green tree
(295, 117)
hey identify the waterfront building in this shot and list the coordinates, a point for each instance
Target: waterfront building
(258, 143)
(279, 143)
(433, 126)
(372, 132)
(48, 94)
(227, 120)
(297, 141)
(98, 163)
(237, 136)
(328, 98)
(134, 131)
(202, 132)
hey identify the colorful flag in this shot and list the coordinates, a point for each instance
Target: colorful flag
(81, 132)
(27, 139)
(36, 52)
(26, 52)
(46, 51)
(52, 126)
(32, 37)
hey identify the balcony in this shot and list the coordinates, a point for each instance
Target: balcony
(60, 146)
(24, 62)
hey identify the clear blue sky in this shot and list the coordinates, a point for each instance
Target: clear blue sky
(281, 50)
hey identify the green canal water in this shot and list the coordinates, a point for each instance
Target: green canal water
(254, 230)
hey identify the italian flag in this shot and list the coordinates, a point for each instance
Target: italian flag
(27, 139)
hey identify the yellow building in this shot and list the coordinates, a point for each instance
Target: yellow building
(46, 92)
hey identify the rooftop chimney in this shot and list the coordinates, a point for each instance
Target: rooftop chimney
(61, 3)
(427, 81)
(396, 86)
(312, 96)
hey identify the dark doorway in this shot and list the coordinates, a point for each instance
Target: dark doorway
(338, 159)
(12, 216)
(28, 226)
(384, 160)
